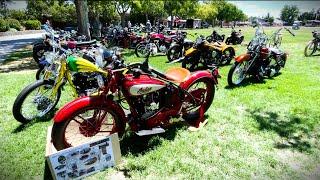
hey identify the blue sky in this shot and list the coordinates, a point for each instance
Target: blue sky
(261, 8)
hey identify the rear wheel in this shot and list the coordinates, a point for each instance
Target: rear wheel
(236, 73)
(88, 124)
(35, 101)
(310, 49)
(142, 50)
(200, 93)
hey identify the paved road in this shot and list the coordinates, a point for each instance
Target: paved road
(9, 44)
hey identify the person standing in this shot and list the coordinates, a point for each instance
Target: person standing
(148, 26)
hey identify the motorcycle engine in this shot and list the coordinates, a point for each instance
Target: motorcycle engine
(149, 104)
(87, 83)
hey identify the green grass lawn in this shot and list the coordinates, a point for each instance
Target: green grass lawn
(264, 130)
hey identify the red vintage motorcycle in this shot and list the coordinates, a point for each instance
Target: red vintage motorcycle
(150, 98)
(153, 44)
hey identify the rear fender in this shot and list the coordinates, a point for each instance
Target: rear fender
(242, 58)
(72, 107)
(195, 76)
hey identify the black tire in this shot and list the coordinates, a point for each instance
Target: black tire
(240, 40)
(59, 129)
(228, 54)
(230, 74)
(137, 49)
(306, 54)
(174, 52)
(209, 39)
(40, 73)
(210, 88)
(17, 106)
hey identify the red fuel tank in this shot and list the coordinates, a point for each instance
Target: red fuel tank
(141, 85)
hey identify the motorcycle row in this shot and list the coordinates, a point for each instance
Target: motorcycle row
(111, 94)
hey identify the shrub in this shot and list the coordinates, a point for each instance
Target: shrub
(13, 23)
(19, 15)
(32, 24)
(3, 25)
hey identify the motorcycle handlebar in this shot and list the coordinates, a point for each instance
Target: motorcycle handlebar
(290, 32)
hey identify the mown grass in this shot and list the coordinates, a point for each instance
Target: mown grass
(260, 130)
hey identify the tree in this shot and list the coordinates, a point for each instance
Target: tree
(122, 7)
(100, 11)
(207, 12)
(82, 17)
(269, 19)
(289, 14)
(170, 7)
(150, 7)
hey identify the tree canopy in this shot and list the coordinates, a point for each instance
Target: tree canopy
(289, 14)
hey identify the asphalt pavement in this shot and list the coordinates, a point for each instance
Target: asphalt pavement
(9, 44)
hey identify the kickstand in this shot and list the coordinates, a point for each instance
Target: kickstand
(200, 122)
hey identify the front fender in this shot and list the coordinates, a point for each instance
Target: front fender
(80, 103)
(195, 76)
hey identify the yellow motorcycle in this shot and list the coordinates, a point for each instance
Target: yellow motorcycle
(39, 98)
(204, 55)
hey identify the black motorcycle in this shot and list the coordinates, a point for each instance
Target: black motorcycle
(215, 37)
(313, 45)
(178, 47)
(235, 37)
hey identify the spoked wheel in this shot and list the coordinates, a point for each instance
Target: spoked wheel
(227, 56)
(88, 124)
(174, 52)
(35, 101)
(200, 93)
(142, 50)
(310, 49)
(237, 73)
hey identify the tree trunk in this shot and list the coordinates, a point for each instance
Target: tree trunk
(171, 23)
(82, 17)
(147, 18)
(122, 19)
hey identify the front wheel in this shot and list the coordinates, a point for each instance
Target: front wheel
(200, 93)
(227, 56)
(236, 73)
(142, 50)
(87, 124)
(310, 49)
(174, 52)
(35, 101)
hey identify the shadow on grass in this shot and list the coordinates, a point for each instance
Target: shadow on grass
(246, 82)
(19, 60)
(17, 55)
(46, 118)
(139, 145)
(294, 131)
